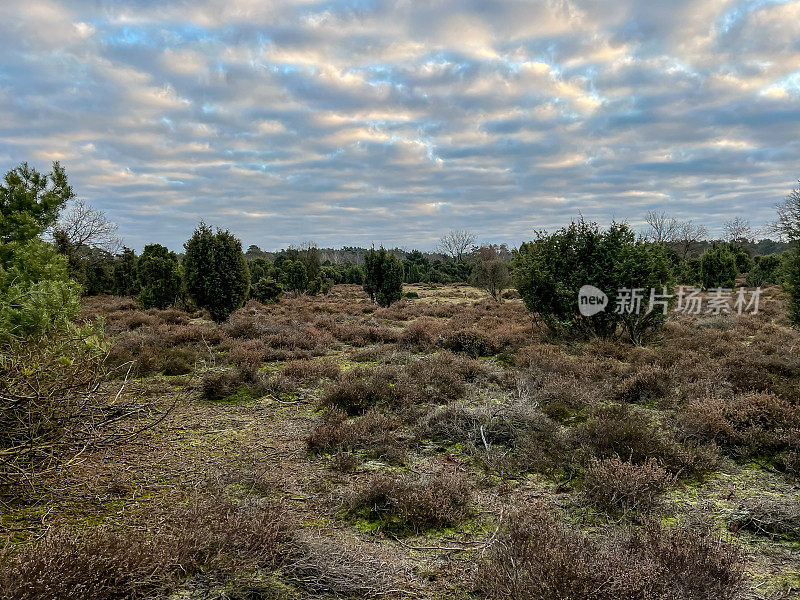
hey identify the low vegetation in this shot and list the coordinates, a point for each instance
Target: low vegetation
(343, 432)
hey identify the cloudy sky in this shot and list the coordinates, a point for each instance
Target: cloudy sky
(351, 122)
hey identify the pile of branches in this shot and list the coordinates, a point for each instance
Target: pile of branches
(51, 408)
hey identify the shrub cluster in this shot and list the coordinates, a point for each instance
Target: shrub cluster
(538, 557)
(412, 504)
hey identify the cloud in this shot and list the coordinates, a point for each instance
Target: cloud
(392, 122)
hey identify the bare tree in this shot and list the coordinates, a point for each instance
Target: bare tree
(788, 223)
(738, 230)
(663, 229)
(84, 225)
(456, 243)
(687, 238)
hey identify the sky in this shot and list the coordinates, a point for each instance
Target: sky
(360, 122)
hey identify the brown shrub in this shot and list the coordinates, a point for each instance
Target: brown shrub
(405, 505)
(312, 369)
(614, 485)
(214, 536)
(249, 354)
(649, 384)
(618, 430)
(468, 341)
(372, 432)
(421, 334)
(360, 389)
(755, 424)
(774, 517)
(537, 557)
(150, 353)
(221, 385)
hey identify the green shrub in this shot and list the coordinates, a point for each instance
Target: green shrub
(791, 274)
(766, 270)
(383, 277)
(687, 272)
(30, 201)
(126, 282)
(36, 295)
(216, 273)
(159, 276)
(718, 267)
(266, 290)
(549, 272)
(294, 276)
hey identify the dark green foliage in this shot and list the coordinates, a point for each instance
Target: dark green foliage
(791, 270)
(294, 276)
(126, 281)
(217, 277)
(718, 267)
(766, 270)
(266, 290)
(36, 294)
(744, 262)
(310, 259)
(30, 201)
(261, 268)
(549, 272)
(314, 287)
(383, 277)
(159, 277)
(687, 272)
(320, 285)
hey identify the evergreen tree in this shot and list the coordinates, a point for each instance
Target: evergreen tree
(718, 267)
(383, 277)
(215, 270)
(126, 282)
(159, 277)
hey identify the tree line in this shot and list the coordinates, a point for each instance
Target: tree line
(213, 272)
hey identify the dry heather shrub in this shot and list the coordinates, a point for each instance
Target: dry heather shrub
(421, 334)
(149, 352)
(535, 441)
(537, 557)
(213, 536)
(749, 424)
(404, 505)
(649, 384)
(134, 319)
(219, 385)
(468, 341)
(618, 430)
(372, 432)
(312, 369)
(360, 389)
(774, 517)
(247, 354)
(438, 378)
(614, 485)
